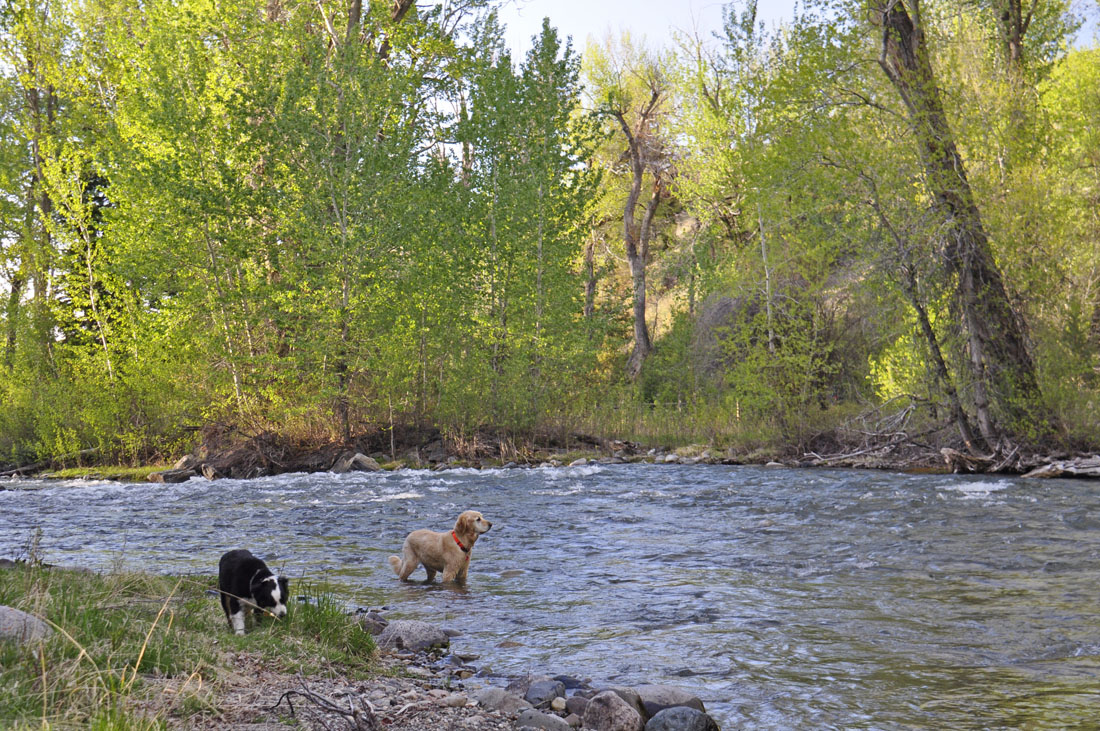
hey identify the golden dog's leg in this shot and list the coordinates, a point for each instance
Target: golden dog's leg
(410, 563)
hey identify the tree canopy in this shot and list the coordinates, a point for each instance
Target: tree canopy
(321, 218)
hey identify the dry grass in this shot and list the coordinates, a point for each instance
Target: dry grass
(136, 651)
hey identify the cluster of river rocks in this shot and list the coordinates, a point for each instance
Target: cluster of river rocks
(543, 703)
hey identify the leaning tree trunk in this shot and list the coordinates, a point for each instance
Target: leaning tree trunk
(635, 239)
(1005, 388)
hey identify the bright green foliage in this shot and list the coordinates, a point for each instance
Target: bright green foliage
(278, 217)
(277, 225)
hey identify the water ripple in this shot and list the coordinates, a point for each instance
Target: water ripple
(785, 599)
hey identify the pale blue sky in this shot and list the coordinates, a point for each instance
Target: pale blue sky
(652, 18)
(655, 18)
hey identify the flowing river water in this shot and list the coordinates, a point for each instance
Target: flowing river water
(784, 598)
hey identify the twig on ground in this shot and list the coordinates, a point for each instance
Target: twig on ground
(358, 719)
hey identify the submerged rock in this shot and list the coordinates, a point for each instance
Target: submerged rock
(658, 697)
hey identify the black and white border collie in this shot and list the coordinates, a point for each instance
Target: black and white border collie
(245, 582)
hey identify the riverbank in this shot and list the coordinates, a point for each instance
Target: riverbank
(134, 651)
(128, 650)
(236, 456)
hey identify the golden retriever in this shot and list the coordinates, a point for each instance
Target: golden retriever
(448, 552)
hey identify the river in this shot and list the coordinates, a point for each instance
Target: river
(784, 598)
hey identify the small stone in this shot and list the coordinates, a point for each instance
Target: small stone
(557, 704)
(456, 700)
(372, 622)
(498, 699)
(530, 718)
(544, 690)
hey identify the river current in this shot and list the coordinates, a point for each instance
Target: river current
(784, 598)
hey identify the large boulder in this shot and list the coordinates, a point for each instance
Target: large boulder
(658, 697)
(530, 718)
(607, 711)
(21, 627)
(681, 718)
(412, 635)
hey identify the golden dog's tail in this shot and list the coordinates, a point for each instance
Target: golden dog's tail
(395, 561)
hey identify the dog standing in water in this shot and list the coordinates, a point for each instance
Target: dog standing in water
(245, 582)
(448, 551)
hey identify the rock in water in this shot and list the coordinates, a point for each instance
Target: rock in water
(656, 698)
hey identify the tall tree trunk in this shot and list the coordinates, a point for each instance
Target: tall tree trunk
(12, 318)
(1013, 22)
(355, 14)
(590, 278)
(908, 281)
(635, 237)
(1006, 392)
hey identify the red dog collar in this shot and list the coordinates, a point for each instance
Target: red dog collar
(464, 549)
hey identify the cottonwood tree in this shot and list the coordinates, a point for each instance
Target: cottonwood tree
(1006, 392)
(631, 88)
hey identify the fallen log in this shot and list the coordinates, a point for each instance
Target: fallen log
(962, 462)
(1077, 467)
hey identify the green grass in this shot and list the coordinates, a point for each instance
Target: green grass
(121, 474)
(121, 638)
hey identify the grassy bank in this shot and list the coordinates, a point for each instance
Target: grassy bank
(136, 651)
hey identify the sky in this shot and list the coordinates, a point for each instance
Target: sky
(652, 18)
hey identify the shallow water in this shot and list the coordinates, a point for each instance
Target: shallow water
(784, 598)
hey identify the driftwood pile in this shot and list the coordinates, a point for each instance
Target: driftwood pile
(889, 439)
